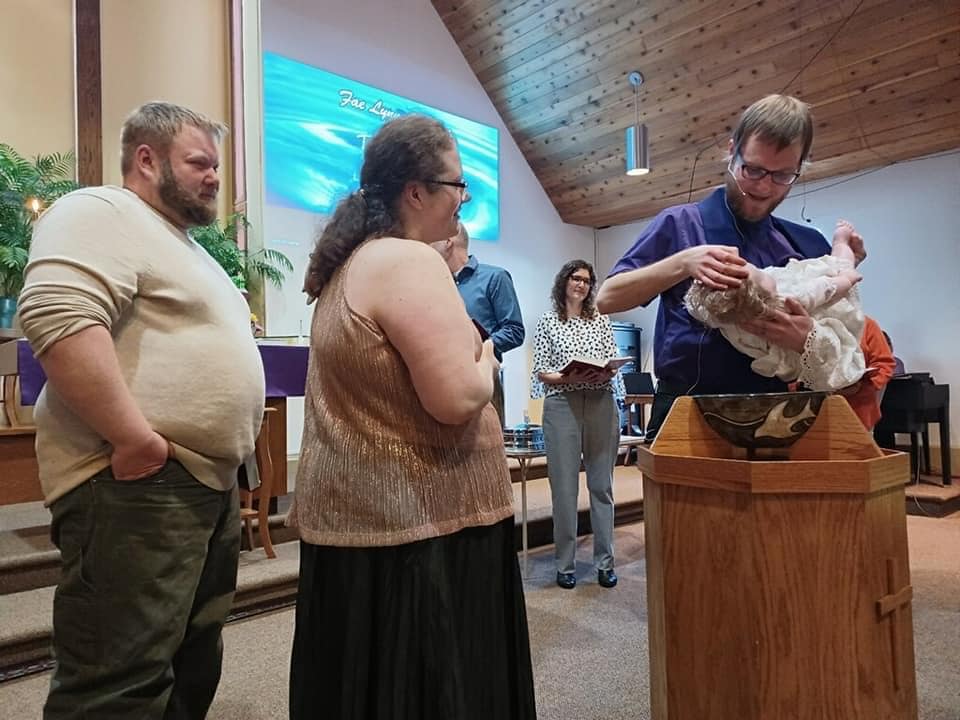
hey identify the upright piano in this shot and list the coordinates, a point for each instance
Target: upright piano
(909, 404)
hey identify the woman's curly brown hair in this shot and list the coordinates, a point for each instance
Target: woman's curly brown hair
(406, 149)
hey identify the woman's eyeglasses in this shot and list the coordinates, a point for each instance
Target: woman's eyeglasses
(461, 184)
(579, 280)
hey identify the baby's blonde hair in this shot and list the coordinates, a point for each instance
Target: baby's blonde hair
(729, 307)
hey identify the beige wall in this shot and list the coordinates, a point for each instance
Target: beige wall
(36, 75)
(176, 50)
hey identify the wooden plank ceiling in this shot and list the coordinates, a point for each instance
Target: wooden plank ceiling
(882, 76)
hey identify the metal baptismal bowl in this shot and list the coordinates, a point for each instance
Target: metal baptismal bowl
(761, 420)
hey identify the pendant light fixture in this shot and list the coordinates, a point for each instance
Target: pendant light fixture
(637, 142)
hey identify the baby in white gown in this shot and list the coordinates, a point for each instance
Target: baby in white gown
(825, 286)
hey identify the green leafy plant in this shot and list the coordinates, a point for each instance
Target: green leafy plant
(221, 242)
(26, 188)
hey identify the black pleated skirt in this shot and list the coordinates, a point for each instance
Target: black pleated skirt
(432, 630)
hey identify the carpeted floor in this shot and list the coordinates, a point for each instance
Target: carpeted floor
(589, 644)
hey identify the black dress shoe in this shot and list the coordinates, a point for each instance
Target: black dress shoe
(606, 578)
(567, 581)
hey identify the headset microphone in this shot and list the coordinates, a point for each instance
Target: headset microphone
(729, 170)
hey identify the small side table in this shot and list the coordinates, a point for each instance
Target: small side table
(524, 456)
(641, 401)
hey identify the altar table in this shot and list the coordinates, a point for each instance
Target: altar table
(285, 374)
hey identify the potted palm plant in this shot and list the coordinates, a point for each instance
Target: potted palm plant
(26, 188)
(242, 267)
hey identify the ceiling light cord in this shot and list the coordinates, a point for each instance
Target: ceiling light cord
(636, 95)
(822, 47)
(792, 80)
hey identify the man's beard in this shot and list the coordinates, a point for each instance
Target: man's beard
(192, 211)
(736, 201)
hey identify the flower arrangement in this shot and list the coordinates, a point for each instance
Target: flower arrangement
(255, 327)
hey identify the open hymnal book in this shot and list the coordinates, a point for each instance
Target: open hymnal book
(587, 363)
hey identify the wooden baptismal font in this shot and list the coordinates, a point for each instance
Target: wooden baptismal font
(777, 589)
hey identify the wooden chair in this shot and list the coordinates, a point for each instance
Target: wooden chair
(262, 493)
(9, 380)
(18, 459)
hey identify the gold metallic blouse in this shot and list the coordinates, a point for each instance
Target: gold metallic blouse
(375, 468)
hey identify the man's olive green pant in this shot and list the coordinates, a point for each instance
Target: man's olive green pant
(149, 572)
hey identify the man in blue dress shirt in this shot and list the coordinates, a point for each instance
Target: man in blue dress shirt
(490, 299)
(708, 242)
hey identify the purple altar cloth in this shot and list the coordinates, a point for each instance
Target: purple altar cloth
(284, 369)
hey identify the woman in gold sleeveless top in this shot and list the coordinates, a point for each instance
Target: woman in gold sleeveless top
(410, 602)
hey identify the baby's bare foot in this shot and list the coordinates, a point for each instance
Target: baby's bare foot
(843, 232)
(848, 243)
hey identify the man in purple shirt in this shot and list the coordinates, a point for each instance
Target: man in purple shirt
(709, 242)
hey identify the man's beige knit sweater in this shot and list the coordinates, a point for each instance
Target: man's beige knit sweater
(102, 256)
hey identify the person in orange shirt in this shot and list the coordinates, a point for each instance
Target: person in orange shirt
(864, 396)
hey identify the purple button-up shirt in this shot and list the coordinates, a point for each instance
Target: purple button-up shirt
(689, 357)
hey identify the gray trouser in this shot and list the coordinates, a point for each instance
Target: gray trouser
(581, 422)
(149, 571)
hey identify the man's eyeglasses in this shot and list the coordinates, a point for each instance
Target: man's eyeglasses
(755, 172)
(578, 280)
(461, 184)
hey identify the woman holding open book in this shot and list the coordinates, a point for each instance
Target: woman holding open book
(575, 366)
(410, 602)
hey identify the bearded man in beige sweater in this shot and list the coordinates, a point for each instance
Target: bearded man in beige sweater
(154, 398)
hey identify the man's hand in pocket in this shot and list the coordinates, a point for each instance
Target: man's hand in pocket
(139, 460)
